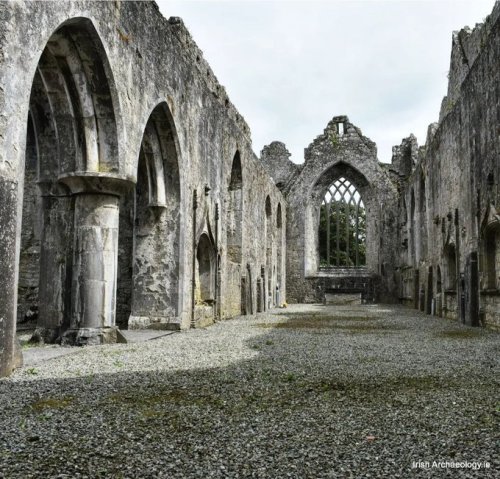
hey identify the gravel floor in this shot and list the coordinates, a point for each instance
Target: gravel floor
(306, 392)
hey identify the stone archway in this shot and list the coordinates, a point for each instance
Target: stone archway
(73, 140)
(150, 231)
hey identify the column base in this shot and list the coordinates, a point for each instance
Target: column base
(154, 322)
(46, 335)
(89, 336)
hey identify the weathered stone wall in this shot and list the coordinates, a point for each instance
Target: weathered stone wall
(29, 261)
(341, 151)
(145, 61)
(452, 245)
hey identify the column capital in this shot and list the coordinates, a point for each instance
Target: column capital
(102, 183)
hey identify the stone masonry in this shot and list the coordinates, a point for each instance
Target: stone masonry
(130, 195)
(117, 133)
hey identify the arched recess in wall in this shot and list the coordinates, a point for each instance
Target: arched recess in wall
(205, 272)
(338, 221)
(72, 132)
(269, 251)
(439, 292)
(439, 281)
(421, 232)
(450, 258)
(412, 233)
(430, 291)
(150, 229)
(235, 211)
(490, 250)
(279, 255)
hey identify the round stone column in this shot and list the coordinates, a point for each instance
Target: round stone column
(95, 257)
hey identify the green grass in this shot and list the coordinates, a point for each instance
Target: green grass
(51, 403)
(459, 334)
(349, 324)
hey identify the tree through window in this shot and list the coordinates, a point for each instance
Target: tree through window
(342, 226)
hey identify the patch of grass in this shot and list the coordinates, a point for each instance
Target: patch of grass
(459, 334)
(352, 326)
(177, 396)
(388, 390)
(367, 359)
(366, 329)
(52, 403)
(326, 317)
(112, 352)
(290, 377)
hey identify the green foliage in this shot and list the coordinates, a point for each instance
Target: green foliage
(335, 140)
(342, 227)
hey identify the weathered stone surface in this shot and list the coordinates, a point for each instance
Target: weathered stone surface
(114, 91)
(449, 246)
(8, 278)
(341, 151)
(145, 205)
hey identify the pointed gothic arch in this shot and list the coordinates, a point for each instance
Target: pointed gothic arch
(205, 272)
(154, 231)
(72, 136)
(235, 211)
(279, 255)
(269, 252)
(342, 226)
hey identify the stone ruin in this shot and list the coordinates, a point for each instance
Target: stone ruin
(131, 197)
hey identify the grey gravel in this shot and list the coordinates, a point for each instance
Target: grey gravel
(304, 392)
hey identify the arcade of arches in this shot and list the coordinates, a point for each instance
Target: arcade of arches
(131, 197)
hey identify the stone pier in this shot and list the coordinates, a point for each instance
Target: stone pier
(95, 257)
(8, 277)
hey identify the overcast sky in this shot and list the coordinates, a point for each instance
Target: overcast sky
(289, 66)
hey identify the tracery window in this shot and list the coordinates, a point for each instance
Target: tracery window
(342, 226)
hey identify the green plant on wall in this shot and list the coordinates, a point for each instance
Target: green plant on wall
(334, 138)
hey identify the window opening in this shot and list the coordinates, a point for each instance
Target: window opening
(342, 226)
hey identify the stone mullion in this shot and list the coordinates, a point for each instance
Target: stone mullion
(327, 210)
(356, 235)
(337, 233)
(347, 218)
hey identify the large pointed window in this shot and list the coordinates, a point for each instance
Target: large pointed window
(342, 227)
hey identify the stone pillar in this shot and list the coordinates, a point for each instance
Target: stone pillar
(8, 276)
(55, 262)
(95, 258)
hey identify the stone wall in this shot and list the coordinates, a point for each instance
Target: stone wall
(341, 151)
(449, 238)
(130, 68)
